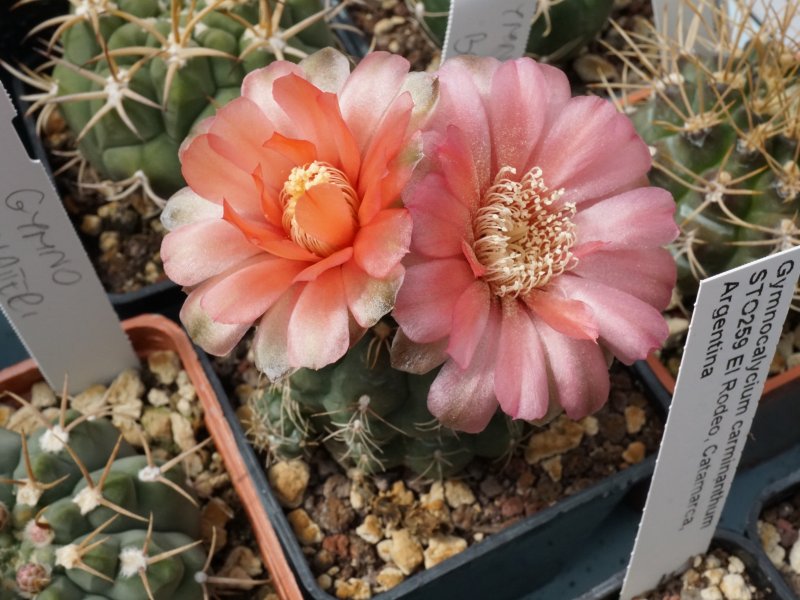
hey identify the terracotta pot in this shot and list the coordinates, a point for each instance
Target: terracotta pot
(149, 333)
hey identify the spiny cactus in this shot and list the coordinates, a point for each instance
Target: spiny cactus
(135, 76)
(82, 516)
(370, 416)
(723, 121)
(559, 30)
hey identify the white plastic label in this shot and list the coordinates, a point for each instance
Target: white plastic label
(736, 325)
(49, 290)
(498, 28)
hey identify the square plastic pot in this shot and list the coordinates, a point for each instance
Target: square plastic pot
(506, 565)
(763, 574)
(149, 333)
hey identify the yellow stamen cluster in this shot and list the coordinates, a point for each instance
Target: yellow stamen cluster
(523, 235)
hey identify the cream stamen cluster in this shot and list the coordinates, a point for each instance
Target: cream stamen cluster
(302, 179)
(523, 235)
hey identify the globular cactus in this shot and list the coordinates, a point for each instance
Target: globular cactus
(723, 123)
(83, 516)
(560, 28)
(370, 416)
(135, 76)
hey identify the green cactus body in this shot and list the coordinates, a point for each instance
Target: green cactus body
(558, 32)
(167, 87)
(724, 136)
(111, 522)
(371, 416)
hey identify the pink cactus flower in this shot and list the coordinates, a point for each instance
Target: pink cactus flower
(292, 218)
(534, 248)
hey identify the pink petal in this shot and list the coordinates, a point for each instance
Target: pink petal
(640, 218)
(520, 376)
(464, 399)
(517, 108)
(654, 267)
(366, 96)
(578, 371)
(629, 327)
(380, 246)
(463, 82)
(326, 69)
(591, 151)
(271, 341)
(570, 317)
(369, 298)
(470, 316)
(441, 222)
(216, 178)
(454, 156)
(329, 262)
(195, 252)
(413, 357)
(319, 331)
(426, 301)
(243, 124)
(186, 207)
(247, 293)
(257, 86)
(215, 338)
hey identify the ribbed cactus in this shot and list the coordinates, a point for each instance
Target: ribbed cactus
(723, 122)
(82, 516)
(137, 75)
(370, 416)
(559, 30)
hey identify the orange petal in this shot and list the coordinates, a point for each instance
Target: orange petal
(323, 213)
(266, 236)
(317, 269)
(349, 154)
(279, 156)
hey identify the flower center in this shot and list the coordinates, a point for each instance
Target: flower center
(300, 181)
(523, 235)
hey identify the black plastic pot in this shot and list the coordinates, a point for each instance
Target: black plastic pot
(773, 494)
(506, 565)
(763, 574)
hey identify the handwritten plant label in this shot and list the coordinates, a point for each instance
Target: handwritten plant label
(736, 325)
(49, 290)
(499, 28)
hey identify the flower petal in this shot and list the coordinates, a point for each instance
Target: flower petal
(323, 213)
(464, 399)
(654, 267)
(441, 222)
(520, 376)
(271, 341)
(369, 91)
(241, 122)
(215, 338)
(591, 151)
(329, 262)
(195, 252)
(247, 293)
(470, 315)
(186, 207)
(412, 357)
(630, 328)
(257, 86)
(215, 178)
(381, 245)
(640, 218)
(578, 371)
(569, 317)
(424, 307)
(369, 298)
(319, 331)
(326, 69)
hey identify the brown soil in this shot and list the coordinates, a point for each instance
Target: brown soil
(351, 520)
(784, 519)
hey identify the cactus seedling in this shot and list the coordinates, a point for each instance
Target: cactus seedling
(370, 416)
(136, 76)
(83, 516)
(723, 122)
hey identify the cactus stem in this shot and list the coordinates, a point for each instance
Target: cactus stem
(151, 560)
(154, 473)
(71, 555)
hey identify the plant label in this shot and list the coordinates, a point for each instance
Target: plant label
(499, 28)
(735, 327)
(49, 290)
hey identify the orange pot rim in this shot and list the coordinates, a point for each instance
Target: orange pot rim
(149, 333)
